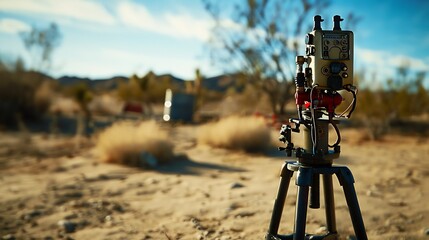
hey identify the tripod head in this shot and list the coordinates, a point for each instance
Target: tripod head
(324, 72)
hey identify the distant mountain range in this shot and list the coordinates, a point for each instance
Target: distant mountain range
(218, 83)
(96, 84)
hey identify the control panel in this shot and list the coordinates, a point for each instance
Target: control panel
(331, 55)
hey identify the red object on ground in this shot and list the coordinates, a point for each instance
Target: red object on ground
(133, 107)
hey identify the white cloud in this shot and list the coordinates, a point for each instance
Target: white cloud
(175, 25)
(13, 26)
(381, 58)
(134, 14)
(187, 26)
(82, 10)
(380, 65)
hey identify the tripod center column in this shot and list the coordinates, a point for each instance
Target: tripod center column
(319, 137)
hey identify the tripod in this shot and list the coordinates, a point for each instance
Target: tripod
(329, 60)
(309, 168)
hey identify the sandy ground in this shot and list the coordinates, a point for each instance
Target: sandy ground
(50, 190)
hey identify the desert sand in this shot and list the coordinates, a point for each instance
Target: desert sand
(50, 189)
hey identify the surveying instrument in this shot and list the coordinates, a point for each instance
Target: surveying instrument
(328, 72)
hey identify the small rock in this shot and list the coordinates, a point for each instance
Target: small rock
(199, 236)
(373, 193)
(8, 237)
(146, 237)
(197, 224)
(398, 219)
(244, 178)
(234, 206)
(322, 230)
(351, 237)
(399, 228)
(72, 194)
(214, 175)
(100, 204)
(208, 232)
(151, 181)
(236, 229)
(236, 185)
(108, 218)
(32, 214)
(117, 207)
(397, 203)
(68, 226)
(71, 216)
(426, 231)
(244, 214)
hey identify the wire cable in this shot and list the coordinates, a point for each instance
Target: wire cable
(313, 118)
(352, 105)
(338, 134)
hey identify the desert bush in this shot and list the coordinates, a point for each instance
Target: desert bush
(80, 93)
(130, 91)
(106, 104)
(239, 133)
(149, 88)
(248, 101)
(402, 98)
(141, 145)
(44, 95)
(22, 93)
(64, 106)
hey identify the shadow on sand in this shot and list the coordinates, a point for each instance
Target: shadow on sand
(183, 165)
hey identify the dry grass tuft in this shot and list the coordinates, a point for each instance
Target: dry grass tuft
(134, 145)
(106, 104)
(239, 133)
(64, 106)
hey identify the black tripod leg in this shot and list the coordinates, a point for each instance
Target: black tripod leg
(279, 203)
(346, 180)
(315, 192)
(328, 192)
(301, 212)
(304, 181)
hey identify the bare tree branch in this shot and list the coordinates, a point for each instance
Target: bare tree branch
(260, 39)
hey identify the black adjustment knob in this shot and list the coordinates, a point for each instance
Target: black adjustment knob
(317, 20)
(312, 50)
(299, 80)
(309, 39)
(337, 19)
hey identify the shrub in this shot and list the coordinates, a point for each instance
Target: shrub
(141, 145)
(64, 106)
(105, 105)
(25, 94)
(239, 133)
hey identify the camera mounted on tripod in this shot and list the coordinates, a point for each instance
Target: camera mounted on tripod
(331, 55)
(324, 72)
(322, 75)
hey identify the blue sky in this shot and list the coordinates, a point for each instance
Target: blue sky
(105, 38)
